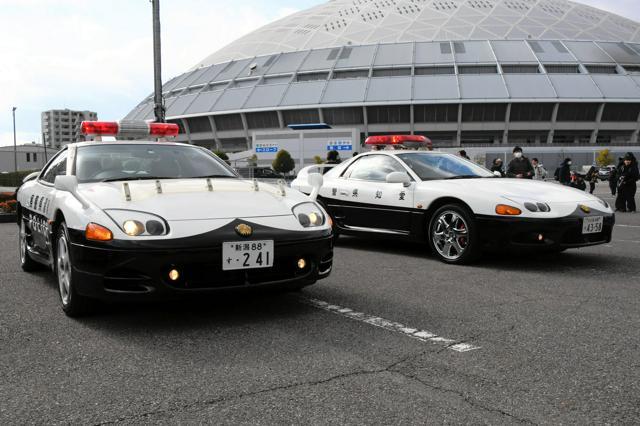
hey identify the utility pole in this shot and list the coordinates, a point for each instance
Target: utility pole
(15, 149)
(157, 64)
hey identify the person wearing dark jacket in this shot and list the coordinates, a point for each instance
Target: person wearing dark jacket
(613, 179)
(627, 177)
(497, 166)
(592, 178)
(563, 173)
(520, 167)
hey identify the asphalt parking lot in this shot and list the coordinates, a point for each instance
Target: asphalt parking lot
(393, 336)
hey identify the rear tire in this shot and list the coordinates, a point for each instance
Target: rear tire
(453, 236)
(73, 304)
(26, 262)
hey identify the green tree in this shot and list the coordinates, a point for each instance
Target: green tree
(605, 158)
(318, 160)
(283, 162)
(224, 157)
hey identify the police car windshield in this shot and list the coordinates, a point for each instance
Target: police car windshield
(122, 161)
(435, 166)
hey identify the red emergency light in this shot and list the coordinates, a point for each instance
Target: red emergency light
(131, 129)
(398, 140)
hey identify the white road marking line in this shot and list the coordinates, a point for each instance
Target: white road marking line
(422, 335)
(626, 241)
(628, 226)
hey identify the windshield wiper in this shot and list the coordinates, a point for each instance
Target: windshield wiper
(463, 177)
(212, 177)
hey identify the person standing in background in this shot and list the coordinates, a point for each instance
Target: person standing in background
(539, 172)
(563, 173)
(613, 180)
(520, 167)
(462, 153)
(497, 166)
(592, 178)
(628, 176)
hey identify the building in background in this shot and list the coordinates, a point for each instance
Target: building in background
(470, 73)
(31, 156)
(62, 126)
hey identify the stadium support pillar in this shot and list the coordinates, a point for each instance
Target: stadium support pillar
(214, 132)
(459, 133)
(412, 119)
(280, 119)
(365, 119)
(507, 119)
(634, 135)
(554, 120)
(245, 126)
(594, 135)
(187, 130)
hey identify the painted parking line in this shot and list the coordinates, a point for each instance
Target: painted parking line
(628, 226)
(422, 335)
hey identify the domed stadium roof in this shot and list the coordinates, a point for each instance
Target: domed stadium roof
(358, 22)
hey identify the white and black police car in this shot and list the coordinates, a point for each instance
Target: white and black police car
(140, 220)
(458, 207)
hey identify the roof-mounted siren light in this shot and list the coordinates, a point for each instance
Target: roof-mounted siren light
(400, 141)
(128, 129)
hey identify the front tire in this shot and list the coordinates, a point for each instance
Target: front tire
(73, 304)
(453, 235)
(26, 262)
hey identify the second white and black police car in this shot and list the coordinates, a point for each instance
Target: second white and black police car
(455, 205)
(136, 220)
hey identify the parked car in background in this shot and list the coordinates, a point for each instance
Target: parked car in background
(605, 172)
(258, 173)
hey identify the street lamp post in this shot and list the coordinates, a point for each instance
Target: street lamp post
(15, 149)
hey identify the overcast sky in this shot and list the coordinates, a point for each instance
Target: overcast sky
(96, 55)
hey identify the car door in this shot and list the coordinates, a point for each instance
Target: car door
(370, 203)
(39, 209)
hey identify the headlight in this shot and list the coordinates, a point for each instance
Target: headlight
(309, 215)
(139, 224)
(537, 207)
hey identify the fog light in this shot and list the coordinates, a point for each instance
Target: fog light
(302, 263)
(540, 237)
(174, 275)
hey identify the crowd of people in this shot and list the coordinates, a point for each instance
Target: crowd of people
(622, 180)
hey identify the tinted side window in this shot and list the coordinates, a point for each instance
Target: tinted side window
(374, 168)
(57, 167)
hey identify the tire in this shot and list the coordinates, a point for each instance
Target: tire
(73, 304)
(453, 235)
(26, 262)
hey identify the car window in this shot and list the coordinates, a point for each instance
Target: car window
(373, 168)
(96, 163)
(57, 167)
(431, 166)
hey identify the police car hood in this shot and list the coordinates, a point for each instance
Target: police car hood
(514, 189)
(191, 199)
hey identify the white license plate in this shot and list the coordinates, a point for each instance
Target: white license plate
(247, 255)
(592, 225)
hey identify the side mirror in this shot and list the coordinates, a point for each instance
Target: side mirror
(399, 177)
(70, 184)
(315, 180)
(30, 176)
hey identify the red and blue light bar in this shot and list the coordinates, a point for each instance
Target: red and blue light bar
(129, 128)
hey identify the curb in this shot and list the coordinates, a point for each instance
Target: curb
(8, 218)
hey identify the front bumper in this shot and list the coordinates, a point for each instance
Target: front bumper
(557, 233)
(140, 271)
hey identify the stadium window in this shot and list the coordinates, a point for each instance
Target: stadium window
(577, 112)
(520, 69)
(562, 68)
(531, 112)
(437, 70)
(215, 86)
(536, 47)
(632, 69)
(447, 113)
(228, 122)
(263, 120)
(199, 124)
(601, 69)
(28, 157)
(276, 79)
(388, 114)
(391, 72)
(445, 48)
(343, 116)
(312, 76)
(621, 112)
(483, 112)
(301, 116)
(338, 75)
(35, 157)
(477, 69)
(458, 47)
